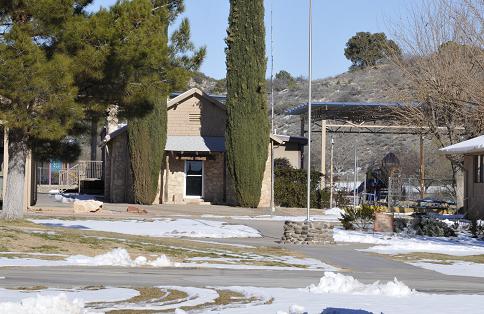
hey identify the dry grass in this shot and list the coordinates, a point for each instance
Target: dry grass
(33, 288)
(23, 236)
(441, 258)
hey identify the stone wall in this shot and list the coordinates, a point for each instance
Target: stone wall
(307, 232)
(213, 181)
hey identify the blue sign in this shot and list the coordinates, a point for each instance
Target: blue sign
(55, 166)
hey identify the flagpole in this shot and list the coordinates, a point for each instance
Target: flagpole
(310, 70)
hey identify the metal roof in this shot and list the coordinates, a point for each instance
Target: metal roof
(195, 143)
(474, 145)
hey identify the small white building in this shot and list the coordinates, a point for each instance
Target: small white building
(473, 151)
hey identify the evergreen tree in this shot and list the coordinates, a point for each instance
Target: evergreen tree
(36, 84)
(135, 67)
(366, 49)
(247, 132)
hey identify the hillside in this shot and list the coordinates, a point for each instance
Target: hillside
(371, 84)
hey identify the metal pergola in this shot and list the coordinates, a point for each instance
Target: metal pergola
(357, 118)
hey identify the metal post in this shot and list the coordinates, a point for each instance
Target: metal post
(331, 175)
(323, 154)
(310, 70)
(422, 168)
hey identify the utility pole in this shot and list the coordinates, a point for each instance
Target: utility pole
(310, 70)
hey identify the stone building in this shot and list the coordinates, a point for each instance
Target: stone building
(194, 169)
(473, 151)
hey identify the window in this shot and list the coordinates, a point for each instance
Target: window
(193, 178)
(479, 169)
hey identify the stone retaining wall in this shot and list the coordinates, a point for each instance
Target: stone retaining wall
(307, 232)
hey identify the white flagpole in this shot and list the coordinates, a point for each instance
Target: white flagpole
(310, 70)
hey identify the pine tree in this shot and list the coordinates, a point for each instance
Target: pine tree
(36, 84)
(247, 132)
(124, 57)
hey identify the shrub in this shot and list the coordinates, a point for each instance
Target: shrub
(290, 188)
(476, 228)
(425, 226)
(282, 163)
(358, 218)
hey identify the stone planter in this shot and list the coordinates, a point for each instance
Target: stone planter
(383, 223)
(307, 232)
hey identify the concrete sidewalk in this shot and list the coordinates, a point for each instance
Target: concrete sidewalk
(47, 206)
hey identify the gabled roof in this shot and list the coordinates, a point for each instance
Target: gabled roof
(194, 92)
(474, 145)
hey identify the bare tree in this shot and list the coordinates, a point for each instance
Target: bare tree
(443, 71)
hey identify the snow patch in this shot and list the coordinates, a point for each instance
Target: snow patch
(192, 228)
(338, 283)
(396, 244)
(460, 268)
(59, 304)
(335, 211)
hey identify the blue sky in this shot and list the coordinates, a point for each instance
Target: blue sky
(335, 21)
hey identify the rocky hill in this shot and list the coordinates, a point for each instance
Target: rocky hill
(371, 84)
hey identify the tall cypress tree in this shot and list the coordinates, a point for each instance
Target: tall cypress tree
(247, 132)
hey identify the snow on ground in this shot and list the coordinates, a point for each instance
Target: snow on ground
(458, 268)
(58, 304)
(338, 294)
(91, 295)
(195, 297)
(57, 301)
(193, 228)
(397, 244)
(334, 294)
(116, 257)
(121, 257)
(330, 215)
(70, 197)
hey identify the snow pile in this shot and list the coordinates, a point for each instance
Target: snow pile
(294, 309)
(459, 268)
(193, 228)
(58, 304)
(118, 257)
(338, 283)
(396, 244)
